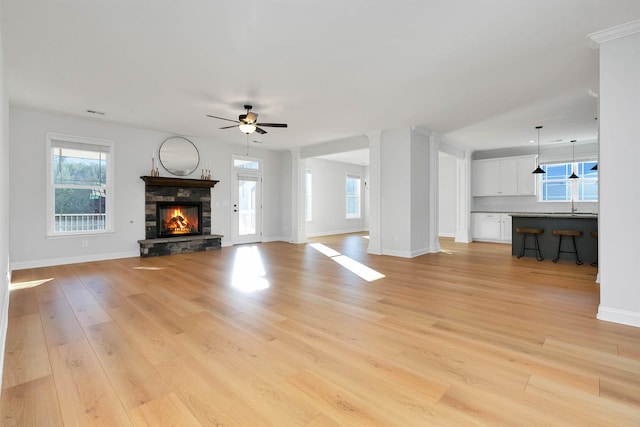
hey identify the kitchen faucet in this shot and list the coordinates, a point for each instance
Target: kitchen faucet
(574, 209)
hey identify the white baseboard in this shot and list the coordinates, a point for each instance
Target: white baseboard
(407, 254)
(392, 252)
(4, 317)
(72, 260)
(625, 317)
(462, 237)
(275, 239)
(453, 235)
(506, 242)
(331, 233)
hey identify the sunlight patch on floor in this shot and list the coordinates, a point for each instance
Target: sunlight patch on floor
(148, 268)
(248, 270)
(30, 284)
(350, 264)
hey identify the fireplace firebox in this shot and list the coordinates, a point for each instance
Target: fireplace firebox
(179, 219)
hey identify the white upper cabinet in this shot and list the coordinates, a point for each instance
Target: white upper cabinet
(507, 176)
(526, 179)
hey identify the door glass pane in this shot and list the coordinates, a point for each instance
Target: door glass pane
(246, 206)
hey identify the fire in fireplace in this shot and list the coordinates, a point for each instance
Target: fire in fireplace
(179, 218)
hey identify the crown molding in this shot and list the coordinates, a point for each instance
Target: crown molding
(613, 33)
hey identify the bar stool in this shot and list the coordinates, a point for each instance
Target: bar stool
(534, 232)
(567, 233)
(595, 234)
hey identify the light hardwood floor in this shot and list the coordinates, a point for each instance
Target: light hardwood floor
(469, 336)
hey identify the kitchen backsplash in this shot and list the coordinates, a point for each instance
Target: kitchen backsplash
(527, 204)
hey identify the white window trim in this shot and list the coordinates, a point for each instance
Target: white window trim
(109, 201)
(573, 182)
(359, 197)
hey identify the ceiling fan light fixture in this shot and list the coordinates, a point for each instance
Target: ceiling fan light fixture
(251, 117)
(247, 128)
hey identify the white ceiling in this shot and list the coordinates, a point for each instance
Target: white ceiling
(482, 73)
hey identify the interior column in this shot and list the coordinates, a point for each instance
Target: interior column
(618, 234)
(408, 196)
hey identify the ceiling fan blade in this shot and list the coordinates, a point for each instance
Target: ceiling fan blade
(222, 118)
(229, 127)
(260, 131)
(273, 125)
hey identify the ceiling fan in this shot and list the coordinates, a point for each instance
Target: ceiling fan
(248, 123)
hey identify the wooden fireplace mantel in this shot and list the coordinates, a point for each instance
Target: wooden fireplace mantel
(162, 181)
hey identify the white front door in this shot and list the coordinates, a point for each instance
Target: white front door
(247, 208)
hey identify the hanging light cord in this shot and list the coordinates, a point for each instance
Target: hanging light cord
(538, 169)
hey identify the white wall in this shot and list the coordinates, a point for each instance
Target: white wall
(619, 205)
(4, 213)
(447, 195)
(132, 148)
(328, 197)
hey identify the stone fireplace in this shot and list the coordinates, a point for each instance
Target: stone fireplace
(178, 219)
(177, 216)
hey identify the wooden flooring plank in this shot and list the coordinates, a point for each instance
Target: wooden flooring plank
(134, 379)
(151, 339)
(59, 322)
(22, 302)
(169, 321)
(205, 397)
(580, 408)
(32, 403)
(470, 336)
(339, 404)
(85, 393)
(167, 410)
(26, 356)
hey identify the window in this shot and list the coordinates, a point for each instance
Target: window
(556, 186)
(246, 163)
(353, 196)
(80, 185)
(307, 196)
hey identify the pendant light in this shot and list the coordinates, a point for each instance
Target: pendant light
(573, 159)
(538, 169)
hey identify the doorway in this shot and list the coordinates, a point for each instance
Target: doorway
(247, 200)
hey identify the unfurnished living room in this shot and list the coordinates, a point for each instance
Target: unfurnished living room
(306, 213)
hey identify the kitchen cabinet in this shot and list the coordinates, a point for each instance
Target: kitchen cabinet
(527, 184)
(491, 227)
(507, 176)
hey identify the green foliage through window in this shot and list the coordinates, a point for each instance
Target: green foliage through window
(80, 186)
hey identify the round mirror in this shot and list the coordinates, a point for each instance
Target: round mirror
(179, 156)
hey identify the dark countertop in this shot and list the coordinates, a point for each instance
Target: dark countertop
(555, 215)
(544, 214)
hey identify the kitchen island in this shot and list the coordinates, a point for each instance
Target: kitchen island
(586, 222)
